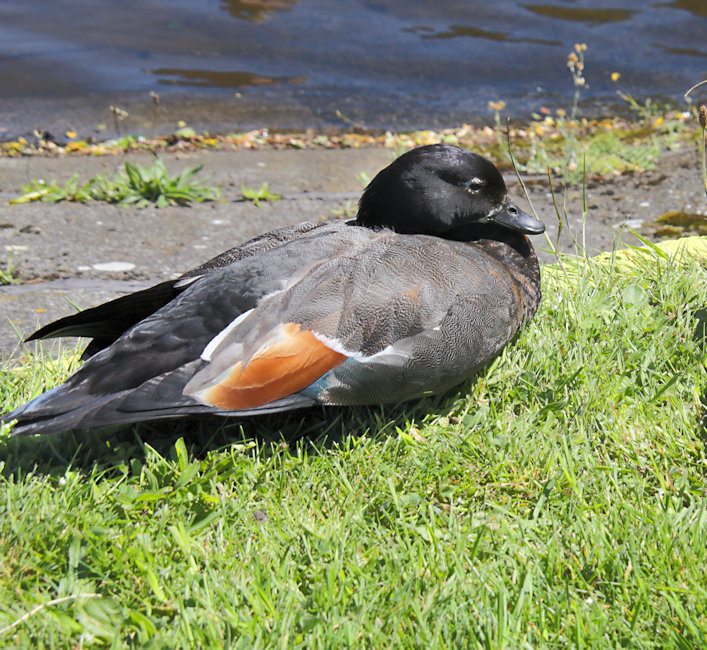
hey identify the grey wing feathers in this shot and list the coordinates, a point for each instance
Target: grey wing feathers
(106, 322)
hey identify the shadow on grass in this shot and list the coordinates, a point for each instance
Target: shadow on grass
(106, 449)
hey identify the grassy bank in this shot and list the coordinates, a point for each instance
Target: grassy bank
(557, 500)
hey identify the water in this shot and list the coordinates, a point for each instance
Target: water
(234, 64)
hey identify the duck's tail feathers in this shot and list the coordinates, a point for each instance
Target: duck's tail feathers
(160, 398)
(105, 323)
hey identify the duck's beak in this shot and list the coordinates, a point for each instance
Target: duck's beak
(514, 218)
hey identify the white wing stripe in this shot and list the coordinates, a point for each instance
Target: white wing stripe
(335, 344)
(214, 342)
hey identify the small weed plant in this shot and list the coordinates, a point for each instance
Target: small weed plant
(263, 193)
(9, 274)
(570, 145)
(135, 185)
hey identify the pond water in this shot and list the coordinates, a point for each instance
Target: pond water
(298, 63)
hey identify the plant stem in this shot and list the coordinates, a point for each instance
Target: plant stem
(39, 608)
(703, 146)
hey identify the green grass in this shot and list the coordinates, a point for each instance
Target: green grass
(136, 185)
(558, 500)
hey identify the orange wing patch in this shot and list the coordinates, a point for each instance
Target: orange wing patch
(289, 364)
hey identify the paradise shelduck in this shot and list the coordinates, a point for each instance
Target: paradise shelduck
(429, 282)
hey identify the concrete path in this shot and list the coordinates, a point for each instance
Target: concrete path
(58, 245)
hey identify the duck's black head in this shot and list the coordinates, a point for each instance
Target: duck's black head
(441, 190)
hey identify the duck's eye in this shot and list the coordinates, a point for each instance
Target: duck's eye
(474, 185)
